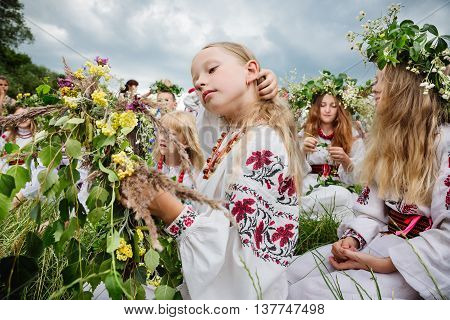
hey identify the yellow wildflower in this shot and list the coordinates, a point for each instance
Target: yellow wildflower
(96, 70)
(115, 120)
(108, 131)
(100, 124)
(79, 74)
(19, 96)
(140, 235)
(142, 250)
(128, 119)
(124, 162)
(124, 251)
(70, 102)
(98, 96)
(155, 281)
(66, 91)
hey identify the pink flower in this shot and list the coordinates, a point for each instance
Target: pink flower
(188, 221)
(259, 159)
(283, 234)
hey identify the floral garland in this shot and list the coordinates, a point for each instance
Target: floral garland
(165, 86)
(422, 50)
(354, 98)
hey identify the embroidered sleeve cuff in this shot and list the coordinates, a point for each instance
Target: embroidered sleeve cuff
(184, 221)
(355, 235)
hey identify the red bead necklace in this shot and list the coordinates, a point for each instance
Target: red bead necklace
(160, 166)
(218, 155)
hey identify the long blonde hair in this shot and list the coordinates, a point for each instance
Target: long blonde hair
(400, 157)
(342, 125)
(275, 113)
(184, 123)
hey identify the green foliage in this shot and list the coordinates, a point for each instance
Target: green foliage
(422, 50)
(23, 75)
(13, 30)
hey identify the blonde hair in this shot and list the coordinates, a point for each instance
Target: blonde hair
(400, 157)
(184, 123)
(275, 113)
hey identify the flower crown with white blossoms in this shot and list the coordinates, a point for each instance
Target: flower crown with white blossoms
(165, 86)
(352, 96)
(421, 49)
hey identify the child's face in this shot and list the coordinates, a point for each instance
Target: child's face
(328, 109)
(24, 124)
(3, 86)
(167, 148)
(165, 100)
(220, 80)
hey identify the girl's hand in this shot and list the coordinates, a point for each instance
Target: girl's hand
(309, 144)
(164, 205)
(268, 88)
(338, 155)
(363, 261)
(339, 246)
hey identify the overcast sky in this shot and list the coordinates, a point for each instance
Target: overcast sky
(153, 39)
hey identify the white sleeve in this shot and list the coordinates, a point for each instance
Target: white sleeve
(370, 216)
(263, 207)
(356, 156)
(424, 261)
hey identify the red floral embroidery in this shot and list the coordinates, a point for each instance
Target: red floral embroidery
(447, 198)
(286, 185)
(364, 196)
(185, 220)
(409, 209)
(188, 222)
(259, 234)
(259, 159)
(352, 233)
(283, 234)
(174, 229)
(241, 208)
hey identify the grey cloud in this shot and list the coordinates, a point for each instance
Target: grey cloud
(149, 40)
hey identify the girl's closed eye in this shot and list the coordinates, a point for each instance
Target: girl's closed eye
(211, 70)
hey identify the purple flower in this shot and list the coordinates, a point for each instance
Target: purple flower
(101, 61)
(67, 82)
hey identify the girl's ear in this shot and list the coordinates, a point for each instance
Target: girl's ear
(252, 71)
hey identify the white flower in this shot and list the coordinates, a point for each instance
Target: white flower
(445, 97)
(434, 70)
(350, 36)
(361, 15)
(430, 86)
(424, 84)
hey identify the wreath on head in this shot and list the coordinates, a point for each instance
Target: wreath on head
(353, 97)
(165, 86)
(422, 50)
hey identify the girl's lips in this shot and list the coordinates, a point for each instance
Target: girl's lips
(206, 94)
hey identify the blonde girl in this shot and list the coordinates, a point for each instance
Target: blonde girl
(254, 170)
(182, 126)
